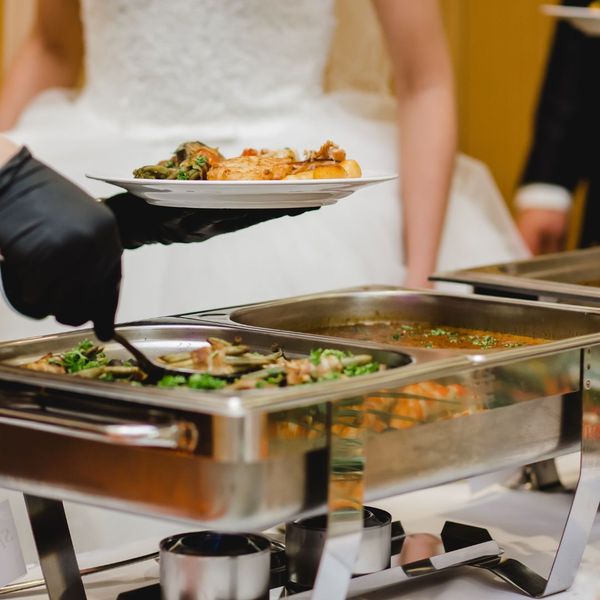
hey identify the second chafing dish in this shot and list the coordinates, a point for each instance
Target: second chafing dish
(304, 314)
(569, 277)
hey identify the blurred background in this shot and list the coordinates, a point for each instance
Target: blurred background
(499, 51)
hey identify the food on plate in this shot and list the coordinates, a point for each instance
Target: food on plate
(195, 161)
(424, 335)
(190, 161)
(219, 364)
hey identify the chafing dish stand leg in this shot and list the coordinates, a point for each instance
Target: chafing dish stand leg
(55, 548)
(583, 508)
(345, 518)
(587, 494)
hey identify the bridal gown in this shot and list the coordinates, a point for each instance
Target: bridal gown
(236, 74)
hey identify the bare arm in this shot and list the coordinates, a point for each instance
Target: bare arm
(426, 114)
(50, 57)
(7, 150)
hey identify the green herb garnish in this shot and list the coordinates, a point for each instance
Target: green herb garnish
(319, 353)
(203, 381)
(197, 381)
(84, 356)
(356, 370)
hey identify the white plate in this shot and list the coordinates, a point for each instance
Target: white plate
(296, 193)
(584, 19)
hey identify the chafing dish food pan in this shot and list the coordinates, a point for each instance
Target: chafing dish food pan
(490, 388)
(204, 456)
(570, 277)
(307, 314)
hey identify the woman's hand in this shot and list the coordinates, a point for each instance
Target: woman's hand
(543, 230)
(61, 249)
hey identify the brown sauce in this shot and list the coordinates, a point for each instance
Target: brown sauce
(590, 283)
(423, 335)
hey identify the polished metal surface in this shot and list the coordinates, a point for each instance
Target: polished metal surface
(587, 494)
(209, 565)
(31, 584)
(305, 539)
(556, 277)
(424, 555)
(304, 314)
(346, 492)
(175, 435)
(55, 548)
(261, 457)
(267, 456)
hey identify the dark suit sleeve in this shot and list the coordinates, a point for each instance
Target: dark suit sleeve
(565, 124)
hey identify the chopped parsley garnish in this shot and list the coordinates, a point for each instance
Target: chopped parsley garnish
(485, 341)
(439, 331)
(171, 381)
(319, 353)
(203, 381)
(182, 175)
(201, 161)
(84, 356)
(356, 370)
(197, 381)
(330, 376)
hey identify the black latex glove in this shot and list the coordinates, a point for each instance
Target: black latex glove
(61, 248)
(142, 223)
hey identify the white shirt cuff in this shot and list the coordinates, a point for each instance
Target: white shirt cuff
(543, 195)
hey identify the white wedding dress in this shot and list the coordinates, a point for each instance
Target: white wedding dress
(237, 74)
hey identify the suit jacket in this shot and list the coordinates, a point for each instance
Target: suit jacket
(566, 144)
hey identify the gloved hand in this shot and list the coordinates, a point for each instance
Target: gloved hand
(61, 248)
(142, 223)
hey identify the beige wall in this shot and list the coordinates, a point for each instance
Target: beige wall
(500, 50)
(498, 47)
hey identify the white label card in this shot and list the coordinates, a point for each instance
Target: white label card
(12, 564)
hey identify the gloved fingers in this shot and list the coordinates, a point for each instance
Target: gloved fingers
(199, 225)
(79, 301)
(141, 223)
(106, 307)
(15, 293)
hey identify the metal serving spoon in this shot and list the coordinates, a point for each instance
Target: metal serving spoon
(153, 371)
(156, 372)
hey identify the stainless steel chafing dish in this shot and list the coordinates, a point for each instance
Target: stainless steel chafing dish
(571, 277)
(250, 460)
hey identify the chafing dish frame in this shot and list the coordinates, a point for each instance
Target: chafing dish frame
(580, 354)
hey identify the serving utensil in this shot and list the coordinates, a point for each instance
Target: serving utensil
(242, 364)
(153, 371)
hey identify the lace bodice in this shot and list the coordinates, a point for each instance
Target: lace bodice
(203, 63)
